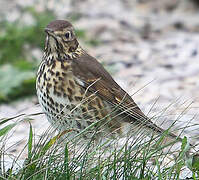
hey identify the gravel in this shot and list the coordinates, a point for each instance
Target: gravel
(152, 46)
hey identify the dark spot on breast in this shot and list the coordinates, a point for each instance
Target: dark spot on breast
(51, 72)
(78, 98)
(48, 63)
(57, 73)
(64, 74)
(49, 85)
(44, 107)
(54, 80)
(64, 67)
(42, 69)
(67, 56)
(55, 92)
(64, 95)
(59, 58)
(45, 79)
(52, 107)
(70, 91)
(60, 78)
(51, 100)
(71, 49)
(67, 107)
(75, 55)
(61, 106)
(53, 64)
(47, 92)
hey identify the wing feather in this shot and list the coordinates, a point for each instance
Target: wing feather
(92, 73)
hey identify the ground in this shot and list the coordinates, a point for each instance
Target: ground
(150, 48)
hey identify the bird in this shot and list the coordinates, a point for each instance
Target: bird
(77, 93)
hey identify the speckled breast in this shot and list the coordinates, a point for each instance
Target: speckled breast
(63, 99)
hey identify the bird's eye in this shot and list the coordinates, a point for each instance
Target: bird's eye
(67, 35)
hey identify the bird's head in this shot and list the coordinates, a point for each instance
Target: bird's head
(60, 37)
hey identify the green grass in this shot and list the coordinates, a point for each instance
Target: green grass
(137, 158)
(17, 65)
(140, 158)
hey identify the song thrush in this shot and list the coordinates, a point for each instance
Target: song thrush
(75, 91)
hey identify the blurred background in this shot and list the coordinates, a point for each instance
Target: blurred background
(149, 46)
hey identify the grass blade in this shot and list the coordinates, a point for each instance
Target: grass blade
(30, 142)
(6, 129)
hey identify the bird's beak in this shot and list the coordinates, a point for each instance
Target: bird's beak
(48, 30)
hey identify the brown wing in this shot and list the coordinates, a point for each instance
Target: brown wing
(93, 74)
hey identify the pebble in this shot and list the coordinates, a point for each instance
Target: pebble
(153, 46)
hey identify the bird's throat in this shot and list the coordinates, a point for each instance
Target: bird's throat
(61, 51)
